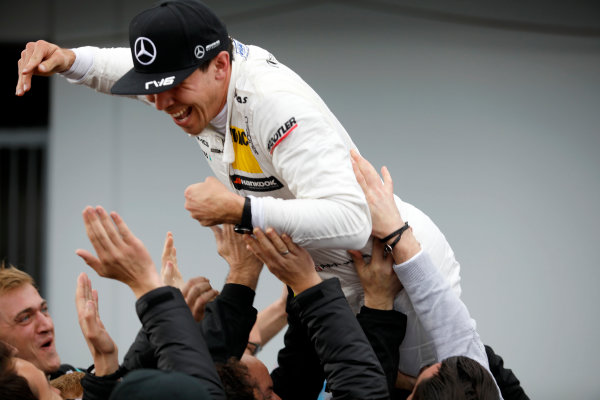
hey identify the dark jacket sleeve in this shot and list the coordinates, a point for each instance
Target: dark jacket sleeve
(296, 359)
(100, 387)
(228, 320)
(226, 326)
(509, 385)
(140, 353)
(351, 367)
(385, 330)
(173, 333)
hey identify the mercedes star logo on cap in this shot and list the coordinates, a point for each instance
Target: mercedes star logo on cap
(199, 51)
(145, 51)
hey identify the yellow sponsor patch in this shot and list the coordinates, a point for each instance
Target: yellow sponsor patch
(244, 159)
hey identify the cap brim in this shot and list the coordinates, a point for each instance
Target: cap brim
(140, 83)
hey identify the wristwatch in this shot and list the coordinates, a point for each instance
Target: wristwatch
(246, 225)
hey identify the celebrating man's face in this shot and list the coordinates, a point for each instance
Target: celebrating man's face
(26, 325)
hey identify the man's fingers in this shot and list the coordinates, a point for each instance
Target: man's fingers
(266, 243)
(189, 285)
(195, 291)
(37, 51)
(200, 303)
(387, 179)
(262, 247)
(217, 231)
(289, 243)
(167, 249)
(277, 242)
(126, 234)
(113, 236)
(96, 232)
(372, 179)
(254, 247)
(95, 298)
(80, 292)
(358, 259)
(171, 276)
(90, 260)
(358, 174)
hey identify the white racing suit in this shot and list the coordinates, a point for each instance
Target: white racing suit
(285, 149)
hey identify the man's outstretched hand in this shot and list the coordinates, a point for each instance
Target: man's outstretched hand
(41, 58)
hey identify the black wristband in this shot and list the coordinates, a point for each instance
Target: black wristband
(246, 225)
(390, 247)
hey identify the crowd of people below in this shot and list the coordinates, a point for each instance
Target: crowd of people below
(199, 343)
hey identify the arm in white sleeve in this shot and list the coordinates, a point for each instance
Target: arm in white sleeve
(100, 68)
(329, 209)
(441, 312)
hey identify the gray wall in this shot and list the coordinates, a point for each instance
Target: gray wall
(486, 114)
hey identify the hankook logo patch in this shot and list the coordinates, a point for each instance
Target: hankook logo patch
(266, 184)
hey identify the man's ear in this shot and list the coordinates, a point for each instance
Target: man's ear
(222, 65)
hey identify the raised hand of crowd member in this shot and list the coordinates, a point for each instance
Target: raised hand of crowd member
(383, 325)
(378, 279)
(244, 266)
(460, 354)
(102, 347)
(290, 263)
(197, 291)
(120, 255)
(382, 206)
(269, 322)
(317, 312)
(169, 271)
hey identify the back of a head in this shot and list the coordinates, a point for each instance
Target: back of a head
(12, 385)
(153, 384)
(11, 278)
(236, 380)
(459, 378)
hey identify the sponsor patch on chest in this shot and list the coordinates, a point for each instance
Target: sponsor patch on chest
(266, 184)
(244, 158)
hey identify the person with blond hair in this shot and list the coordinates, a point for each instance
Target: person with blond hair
(25, 322)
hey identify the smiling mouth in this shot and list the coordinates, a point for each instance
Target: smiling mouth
(181, 115)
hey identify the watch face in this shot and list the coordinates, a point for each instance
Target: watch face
(242, 229)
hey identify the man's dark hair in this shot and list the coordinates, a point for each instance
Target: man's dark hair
(459, 378)
(12, 385)
(236, 380)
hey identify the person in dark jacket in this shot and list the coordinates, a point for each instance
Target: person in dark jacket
(321, 316)
(320, 312)
(123, 257)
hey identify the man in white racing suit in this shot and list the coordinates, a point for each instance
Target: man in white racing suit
(266, 134)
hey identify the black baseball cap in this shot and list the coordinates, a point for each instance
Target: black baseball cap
(168, 42)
